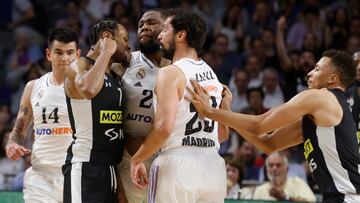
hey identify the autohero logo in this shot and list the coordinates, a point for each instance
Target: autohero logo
(110, 117)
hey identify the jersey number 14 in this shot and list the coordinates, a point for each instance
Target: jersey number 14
(53, 115)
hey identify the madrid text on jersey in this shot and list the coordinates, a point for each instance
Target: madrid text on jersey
(198, 142)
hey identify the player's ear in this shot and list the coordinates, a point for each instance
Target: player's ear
(181, 35)
(333, 78)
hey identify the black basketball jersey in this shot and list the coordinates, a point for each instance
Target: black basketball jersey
(97, 125)
(353, 99)
(332, 154)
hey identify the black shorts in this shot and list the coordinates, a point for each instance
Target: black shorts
(89, 182)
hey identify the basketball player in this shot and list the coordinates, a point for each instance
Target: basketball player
(43, 102)
(139, 80)
(188, 144)
(353, 94)
(320, 118)
(94, 100)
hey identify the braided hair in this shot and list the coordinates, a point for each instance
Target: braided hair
(101, 26)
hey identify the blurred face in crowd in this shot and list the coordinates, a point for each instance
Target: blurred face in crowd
(309, 41)
(253, 67)
(355, 27)
(340, 16)
(149, 28)
(256, 101)
(353, 44)
(247, 152)
(307, 61)
(221, 45)
(276, 168)
(258, 49)
(270, 80)
(241, 81)
(233, 173)
(261, 11)
(268, 38)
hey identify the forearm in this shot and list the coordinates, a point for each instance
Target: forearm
(152, 143)
(16, 137)
(91, 81)
(281, 50)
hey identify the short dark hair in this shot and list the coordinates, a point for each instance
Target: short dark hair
(343, 64)
(101, 26)
(163, 12)
(192, 24)
(64, 35)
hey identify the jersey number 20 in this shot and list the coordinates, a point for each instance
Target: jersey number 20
(208, 127)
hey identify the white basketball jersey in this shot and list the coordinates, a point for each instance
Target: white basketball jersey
(138, 82)
(189, 129)
(52, 129)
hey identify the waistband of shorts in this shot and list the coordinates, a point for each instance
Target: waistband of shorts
(190, 151)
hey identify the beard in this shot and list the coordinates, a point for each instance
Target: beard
(150, 47)
(168, 53)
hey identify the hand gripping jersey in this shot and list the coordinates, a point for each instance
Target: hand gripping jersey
(190, 129)
(138, 81)
(52, 129)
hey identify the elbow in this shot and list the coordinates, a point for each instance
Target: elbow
(163, 129)
(88, 90)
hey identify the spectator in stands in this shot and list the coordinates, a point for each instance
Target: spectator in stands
(248, 153)
(232, 25)
(253, 67)
(337, 29)
(235, 172)
(241, 81)
(280, 187)
(261, 19)
(272, 89)
(4, 116)
(255, 97)
(310, 23)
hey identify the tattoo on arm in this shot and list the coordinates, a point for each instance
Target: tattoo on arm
(21, 126)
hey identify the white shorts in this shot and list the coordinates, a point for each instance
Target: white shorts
(188, 175)
(43, 187)
(133, 194)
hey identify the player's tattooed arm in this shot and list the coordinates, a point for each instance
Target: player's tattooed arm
(24, 117)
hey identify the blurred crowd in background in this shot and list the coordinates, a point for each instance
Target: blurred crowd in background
(262, 49)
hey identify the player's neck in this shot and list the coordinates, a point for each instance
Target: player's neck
(155, 58)
(185, 52)
(57, 77)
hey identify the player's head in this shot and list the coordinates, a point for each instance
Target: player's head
(62, 47)
(182, 27)
(334, 69)
(356, 58)
(149, 28)
(110, 28)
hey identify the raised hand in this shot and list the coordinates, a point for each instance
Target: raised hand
(226, 98)
(199, 98)
(108, 45)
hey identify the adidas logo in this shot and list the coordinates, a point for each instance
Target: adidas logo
(138, 84)
(37, 104)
